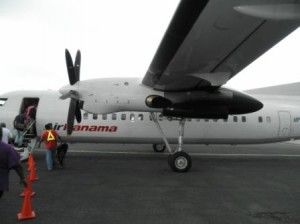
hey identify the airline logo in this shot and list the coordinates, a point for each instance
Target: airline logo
(86, 128)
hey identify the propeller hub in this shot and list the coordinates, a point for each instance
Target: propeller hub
(65, 90)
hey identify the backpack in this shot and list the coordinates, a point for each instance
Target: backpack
(19, 122)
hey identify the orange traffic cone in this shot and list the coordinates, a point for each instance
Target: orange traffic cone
(33, 176)
(27, 212)
(31, 162)
(29, 188)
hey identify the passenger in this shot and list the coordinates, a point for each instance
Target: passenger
(50, 137)
(19, 125)
(9, 159)
(30, 114)
(6, 133)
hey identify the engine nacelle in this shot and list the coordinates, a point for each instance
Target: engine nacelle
(155, 101)
(204, 104)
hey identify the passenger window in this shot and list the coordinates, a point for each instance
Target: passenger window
(2, 101)
(170, 118)
(268, 119)
(85, 116)
(114, 117)
(189, 119)
(104, 117)
(260, 119)
(206, 120)
(141, 117)
(215, 120)
(243, 119)
(95, 116)
(123, 117)
(160, 117)
(225, 119)
(132, 117)
(235, 119)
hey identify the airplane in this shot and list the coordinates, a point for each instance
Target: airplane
(182, 97)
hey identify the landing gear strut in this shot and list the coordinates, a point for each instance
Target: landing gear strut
(179, 161)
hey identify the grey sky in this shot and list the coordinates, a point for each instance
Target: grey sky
(117, 38)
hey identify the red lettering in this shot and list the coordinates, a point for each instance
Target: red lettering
(92, 128)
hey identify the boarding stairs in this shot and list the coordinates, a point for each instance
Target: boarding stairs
(29, 143)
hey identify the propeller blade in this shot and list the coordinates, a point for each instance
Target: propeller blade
(77, 112)
(77, 66)
(70, 68)
(74, 76)
(71, 116)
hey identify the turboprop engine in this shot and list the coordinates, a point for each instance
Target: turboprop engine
(204, 104)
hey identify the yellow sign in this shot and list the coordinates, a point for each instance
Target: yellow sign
(50, 137)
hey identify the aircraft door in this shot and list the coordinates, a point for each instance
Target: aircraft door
(284, 124)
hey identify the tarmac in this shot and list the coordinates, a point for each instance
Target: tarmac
(108, 183)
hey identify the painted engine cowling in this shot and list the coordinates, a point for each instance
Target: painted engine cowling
(204, 104)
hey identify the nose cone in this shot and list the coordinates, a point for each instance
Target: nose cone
(65, 89)
(69, 91)
(243, 103)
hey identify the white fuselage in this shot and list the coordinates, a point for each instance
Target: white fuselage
(279, 120)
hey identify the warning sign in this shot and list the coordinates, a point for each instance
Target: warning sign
(50, 137)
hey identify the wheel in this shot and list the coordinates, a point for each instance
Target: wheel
(180, 162)
(159, 147)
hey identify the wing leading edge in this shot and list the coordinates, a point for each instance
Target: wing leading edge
(210, 41)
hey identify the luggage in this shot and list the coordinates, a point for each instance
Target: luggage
(61, 152)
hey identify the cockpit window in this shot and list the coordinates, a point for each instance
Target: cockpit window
(2, 101)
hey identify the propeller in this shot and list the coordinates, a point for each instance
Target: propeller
(74, 76)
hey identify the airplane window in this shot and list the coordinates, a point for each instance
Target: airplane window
(198, 120)
(85, 116)
(189, 119)
(225, 120)
(243, 119)
(160, 117)
(141, 117)
(269, 119)
(104, 117)
(114, 116)
(260, 119)
(132, 117)
(215, 120)
(235, 119)
(206, 120)
(2, 101)
(170, 118)
(123, 117)
(95, 116)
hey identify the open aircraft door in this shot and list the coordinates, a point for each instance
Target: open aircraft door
(284, 124)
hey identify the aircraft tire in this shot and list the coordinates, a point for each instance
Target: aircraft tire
(159, 147)
(180, 162)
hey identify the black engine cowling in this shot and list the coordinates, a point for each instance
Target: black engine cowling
(204, 104)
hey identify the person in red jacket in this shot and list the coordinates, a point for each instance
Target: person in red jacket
(50, 137)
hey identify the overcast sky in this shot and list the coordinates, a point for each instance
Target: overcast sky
(116, 38)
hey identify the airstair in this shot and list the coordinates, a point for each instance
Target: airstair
(29, 143)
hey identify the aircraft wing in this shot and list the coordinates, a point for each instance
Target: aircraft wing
(210, 41)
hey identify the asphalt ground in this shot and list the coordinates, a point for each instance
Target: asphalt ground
(107, 183)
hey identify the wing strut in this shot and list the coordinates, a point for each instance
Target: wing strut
(179, 160)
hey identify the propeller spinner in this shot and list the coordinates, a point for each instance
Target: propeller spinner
(74, 77)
